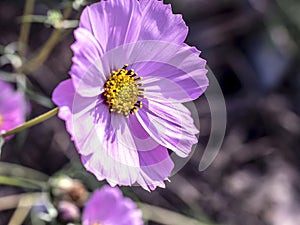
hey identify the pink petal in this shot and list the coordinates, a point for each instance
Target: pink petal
(170, 124)
(63, 97)
(155, 162)
(108, 206)
(13, 115)
(13, 107)
(193, 49)
(113, 22)
(159, 23)
(180, 78)
(168, 69)
(106, 145)
(86, 70)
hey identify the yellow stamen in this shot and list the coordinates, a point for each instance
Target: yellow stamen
(122, 91)
(1, 120)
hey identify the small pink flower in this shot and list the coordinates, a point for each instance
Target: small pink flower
(12, 107)
(107, 206)
(123, 106)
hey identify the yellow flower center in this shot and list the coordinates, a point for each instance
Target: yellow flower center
(122, 91)
(1, 120)
(96, 223)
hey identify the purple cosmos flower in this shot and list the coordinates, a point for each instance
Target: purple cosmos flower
(12, 107)
(107, 206)
(123, 106)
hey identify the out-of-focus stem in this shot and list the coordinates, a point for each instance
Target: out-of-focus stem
(22, 182)
(12, 201)
(26, 202)
(16, 170)
(32, 122)
(166, 217)
(25, 28)
(43, 54)
(41, 57)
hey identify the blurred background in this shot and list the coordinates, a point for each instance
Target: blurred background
(252, 46)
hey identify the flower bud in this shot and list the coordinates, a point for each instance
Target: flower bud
(68, 212)
(65, 188)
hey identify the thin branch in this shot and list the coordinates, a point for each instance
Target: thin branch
(26, 202)
(25, 28)
(11, 201)
(166, 217)
(31, 123)
(12, 169)
(43, 54)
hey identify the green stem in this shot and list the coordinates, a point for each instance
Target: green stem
(25, 28)
(24, 206)
(166, 217)
(9, 202)
(32, 122)
(34, 63)
(16, 170)
(33, 19)
(22, 182)
(41, 57)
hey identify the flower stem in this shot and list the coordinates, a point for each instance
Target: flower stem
(34, 63)
(25, 28)
(11, 201)
(22, 182)
(32, 122)
(16, 170)
(167, 217)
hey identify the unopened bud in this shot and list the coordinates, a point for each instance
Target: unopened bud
(68, 212)
(65, 188)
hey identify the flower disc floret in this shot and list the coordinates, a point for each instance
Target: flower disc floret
(122, 91)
